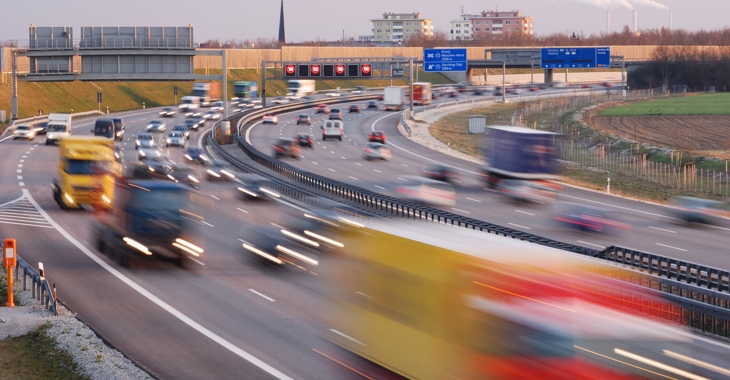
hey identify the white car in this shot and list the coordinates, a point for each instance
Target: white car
(270, 119)
(333, 129)
(24, 132)
(333, 94)
(152, 154)
(211, 115)
(175, 138)
(156, 125)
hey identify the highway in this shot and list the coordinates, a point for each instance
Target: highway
(232, 317)
(652, 229)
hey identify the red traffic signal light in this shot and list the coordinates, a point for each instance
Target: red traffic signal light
(366, 70)
(290, 70)
(340, 70)
(314, 70)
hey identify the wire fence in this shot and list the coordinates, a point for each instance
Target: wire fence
(591, 149)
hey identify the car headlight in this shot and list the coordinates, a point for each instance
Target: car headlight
(119, 133)
(169, 140)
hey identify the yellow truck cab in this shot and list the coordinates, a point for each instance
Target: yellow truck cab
(87, 172)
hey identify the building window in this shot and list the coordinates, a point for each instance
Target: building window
(486, 22)
(486, 29)
(387, 30)
(479, 22)
(507, 22)
(387, 24)
(478, 29)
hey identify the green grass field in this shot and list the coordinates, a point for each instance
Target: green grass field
(709, 104)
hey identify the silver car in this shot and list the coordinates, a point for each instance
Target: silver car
(175, 138)
(24, 132)
(376, 151)
(156, 125)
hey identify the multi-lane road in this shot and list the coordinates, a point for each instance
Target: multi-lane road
(232, 317)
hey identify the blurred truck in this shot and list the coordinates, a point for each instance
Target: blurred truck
(517, 153)
(59, 126)
(394, 98)
(245, 90)
(150, 219)
(87, 170)
(207, 92)
(300, 87)
(422, 94)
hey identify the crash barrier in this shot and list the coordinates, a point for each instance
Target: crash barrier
(702, 293)
(403, 123)
(44, 118)
(40, 288)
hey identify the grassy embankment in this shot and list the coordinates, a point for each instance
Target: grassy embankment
(453, 129)
(79, 96)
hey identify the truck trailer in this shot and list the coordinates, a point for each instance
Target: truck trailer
(422, 93)
(87, 170)
(245, 90)
(518, 153)
(300, 87)
(394, 98)
(207, 92)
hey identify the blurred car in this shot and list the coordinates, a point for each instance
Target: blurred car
(118, 153)
(42, 128)
(427, 191)
(372, 104)
(168, 112)
(175, 138)
(377, 136)
(193, 113)
(536, 191)
(217, 106)
(381, 97)
(216, 170)
(145, 141)
(304, 139)
(151, 170)
(376, 151)
(156, 125)
(270, 245)
(481, 90)
(24, 132)
(587, 218)
(463, 87)
(195, 154)
(354, 108)
(440, 172)
(322, 108)
(211, 115)
(183, 174)
(184, 129)
(335, 114)
(270, 119)
(254, 186)
(334, 94)
(152, 155)
(286, 147)
(193, 123)
(304, 119)
(696, 210)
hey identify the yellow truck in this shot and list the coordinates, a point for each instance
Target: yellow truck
(87, 172)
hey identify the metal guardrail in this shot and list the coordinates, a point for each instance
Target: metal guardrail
(42, 119)
(702, 292)
(41, 289)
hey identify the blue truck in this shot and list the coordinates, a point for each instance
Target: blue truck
(518, 153)
(149, 219)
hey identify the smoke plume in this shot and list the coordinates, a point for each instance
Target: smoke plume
(651, 3)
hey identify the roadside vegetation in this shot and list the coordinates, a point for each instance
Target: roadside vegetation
(453, 131)
(705, 104)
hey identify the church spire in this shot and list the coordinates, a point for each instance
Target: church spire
(282, 33)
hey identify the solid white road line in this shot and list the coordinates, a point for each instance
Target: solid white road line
(156, 300)
(519, 226)
(262, 295)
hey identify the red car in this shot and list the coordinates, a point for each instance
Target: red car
(322, 108)
(354, 108)
(377, 136)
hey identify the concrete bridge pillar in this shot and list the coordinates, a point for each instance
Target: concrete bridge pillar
(548, 75)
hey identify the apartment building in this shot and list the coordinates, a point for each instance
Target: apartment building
(399, 27)
(461, 28)
(496, 23)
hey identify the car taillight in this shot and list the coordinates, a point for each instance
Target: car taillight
(279, 148)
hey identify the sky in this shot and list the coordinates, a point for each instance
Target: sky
(328, 20)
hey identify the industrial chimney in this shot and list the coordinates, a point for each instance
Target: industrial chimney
(608, 22)
(670, 19)
(636, 23)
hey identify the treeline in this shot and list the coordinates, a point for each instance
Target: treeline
(698, 69)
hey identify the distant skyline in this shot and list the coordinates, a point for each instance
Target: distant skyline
(310, 20)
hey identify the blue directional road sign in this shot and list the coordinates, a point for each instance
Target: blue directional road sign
(435, 60)
(575, 58)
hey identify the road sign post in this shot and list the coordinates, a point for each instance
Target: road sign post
(10, 259)
(439, 60)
